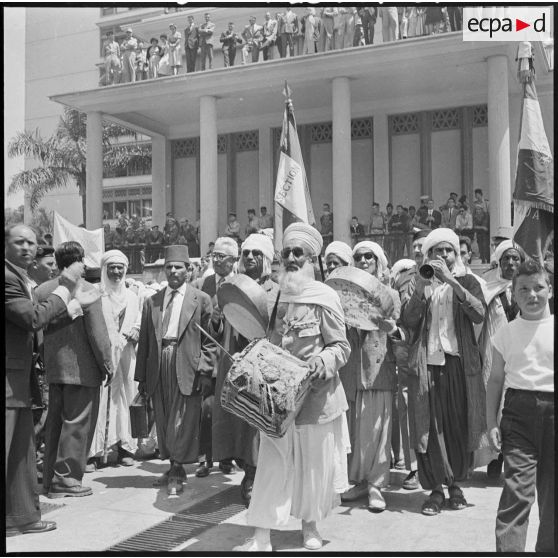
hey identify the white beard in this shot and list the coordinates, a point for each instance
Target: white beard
(293, 282)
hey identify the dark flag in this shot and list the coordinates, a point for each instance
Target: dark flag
(292, 195)
(533, 198)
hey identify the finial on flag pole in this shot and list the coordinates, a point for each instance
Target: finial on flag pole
(287, 92)
(525, 68)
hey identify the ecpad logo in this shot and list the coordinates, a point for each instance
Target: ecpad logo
(506, 23)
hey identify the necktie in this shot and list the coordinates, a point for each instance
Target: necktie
(168, 312)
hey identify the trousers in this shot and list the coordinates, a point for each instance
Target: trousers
(527, 428)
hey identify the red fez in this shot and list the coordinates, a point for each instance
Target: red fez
(177, 253)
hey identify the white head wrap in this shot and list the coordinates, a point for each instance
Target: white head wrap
(305, 235)
(115, 291)
(401, 265)
(500, 249)
(260, 242)
(227, 246)
(340, 249)
(377, 250)
(445, 235)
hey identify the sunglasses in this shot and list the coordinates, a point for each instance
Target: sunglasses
(297, 251)
(366, 255)
(255, 253)
(219, 257)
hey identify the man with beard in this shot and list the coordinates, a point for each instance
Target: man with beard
(224, 255)
(303, 472)
(232, 437)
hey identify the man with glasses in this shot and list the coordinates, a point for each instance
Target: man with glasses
(232, 437)
(224, 255)
(302, 473)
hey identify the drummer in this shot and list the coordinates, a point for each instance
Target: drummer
(376, 381)
(302, 473)
(233, 438)
(337, 254)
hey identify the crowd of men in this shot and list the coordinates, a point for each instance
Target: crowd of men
(282, 34)
(434, 370)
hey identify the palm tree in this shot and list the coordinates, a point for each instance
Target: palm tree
(62, 157)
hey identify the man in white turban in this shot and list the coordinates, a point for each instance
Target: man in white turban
(303, 472)
(233, 438)
(446, 387)
(122, 313)
(337, 254)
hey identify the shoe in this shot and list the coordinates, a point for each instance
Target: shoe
(162, 480)
(203, 470)
(246, 488)
(61, 491)
(226, 466)
(433, 504)
(310, 536)
(400, 465)
(456, 498)
(411, 481)
(494, 468)
(126, 461)
(252, 545)
(30, 528)
(175, 486)
(355, 493)
(91, 466)
(376, 502)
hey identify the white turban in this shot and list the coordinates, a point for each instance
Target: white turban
(378, 251)
(114, 256)
(500, 249)
(259, 242)
(306, 236)
(401, 265)
(115, 291)
(340, 249)
(443, 234)
(227, 246)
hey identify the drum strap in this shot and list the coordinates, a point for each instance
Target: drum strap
(271, 325)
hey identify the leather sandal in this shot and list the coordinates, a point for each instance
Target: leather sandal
(433, 504)
(456, 498)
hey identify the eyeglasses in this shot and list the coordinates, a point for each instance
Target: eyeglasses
(255, 253)
(219, 257)
(297, 251)
(366, 255)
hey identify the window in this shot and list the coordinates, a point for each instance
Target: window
(146, 208)
(107, 11)
(108, 210)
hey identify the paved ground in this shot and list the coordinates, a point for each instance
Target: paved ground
(209, 517)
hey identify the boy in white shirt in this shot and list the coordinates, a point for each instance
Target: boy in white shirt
(523, 359)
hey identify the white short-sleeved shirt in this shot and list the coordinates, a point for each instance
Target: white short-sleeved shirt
(527, 347)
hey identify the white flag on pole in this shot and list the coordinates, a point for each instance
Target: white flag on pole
(93, 242)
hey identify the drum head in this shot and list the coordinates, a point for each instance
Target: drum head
(362, 295)
(244, 304)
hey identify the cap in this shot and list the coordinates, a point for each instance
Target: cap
(422, 233)
(425, 197)
(177, 253)
(503, 232)
(129, 30)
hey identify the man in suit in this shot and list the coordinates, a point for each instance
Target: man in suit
(205, 33)
(269, 33)
(431, 217)
(174, 365)
(252, 35)
(449, 215)
(289, 30)
(25, 318)
(44, 266)
(230, 39)
(191, 42)
(77, 360)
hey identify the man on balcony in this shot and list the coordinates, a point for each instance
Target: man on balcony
(252, 35)
(205, 33)
(191, 43)
(269, 33)
(129, 47)
(230, 39)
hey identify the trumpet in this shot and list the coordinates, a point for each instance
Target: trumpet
(426, 271)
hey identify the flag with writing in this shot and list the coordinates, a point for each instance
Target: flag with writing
(292, 196)
(93, 242)
(533, 198)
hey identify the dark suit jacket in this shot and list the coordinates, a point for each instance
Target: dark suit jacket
(76, 351)
(447, 221)
(437, 219)
(193, 351)
(24, 319)
(191, 37)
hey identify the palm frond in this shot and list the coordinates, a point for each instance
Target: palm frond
(29, 144)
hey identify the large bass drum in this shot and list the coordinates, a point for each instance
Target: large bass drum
(266, 387)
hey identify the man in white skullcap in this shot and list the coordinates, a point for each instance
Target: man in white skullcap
(174, 363)
(224, 258)
(303, 472)
(233, 438)
(447, 389)
(337, 254)
(122, 313)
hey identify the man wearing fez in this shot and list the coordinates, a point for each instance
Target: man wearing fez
(173, 361)
(232, 437)
(302, 473)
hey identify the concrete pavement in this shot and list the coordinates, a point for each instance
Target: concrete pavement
(124, 505)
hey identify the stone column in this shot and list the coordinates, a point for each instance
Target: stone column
(265, 170)
(342, 164)
(208, 172)
(94, 171)
(381, 162)
(160, 178)
(499, 189)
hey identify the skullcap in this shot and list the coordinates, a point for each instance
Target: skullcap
(176, 253)
(340, 249)
(305, 235)
(401, 265)
(114, 256)
(260, 242)
(377, 250)
(440, 235)
(227, 246)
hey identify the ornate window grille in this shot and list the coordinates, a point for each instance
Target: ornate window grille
(188, 147)
(222, 143)
(362, 128)
(405, 123)
(446, 119)
(480, 116)
(321, 133)
(246, 141)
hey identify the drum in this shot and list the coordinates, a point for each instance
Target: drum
(362, 295)
(244, 304)
(266, 387)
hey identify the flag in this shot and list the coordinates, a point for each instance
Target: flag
(533, 198)
(292, 196)
(93, 242)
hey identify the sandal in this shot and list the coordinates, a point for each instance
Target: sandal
(456, 498)
(433, 504)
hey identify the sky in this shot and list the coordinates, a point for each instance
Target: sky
(14, 92)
